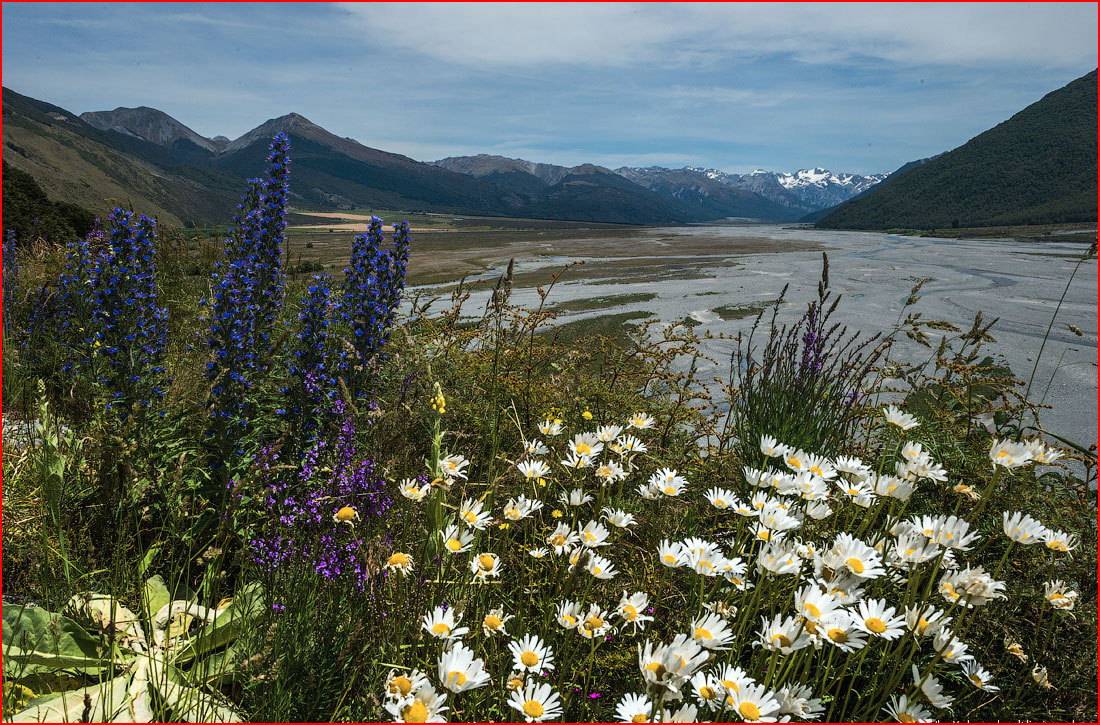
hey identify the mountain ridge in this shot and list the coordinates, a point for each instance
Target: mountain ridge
(1036, 167)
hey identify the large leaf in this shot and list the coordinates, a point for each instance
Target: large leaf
(191, 704)
(106, 614)
(218, 668)
(37, 639)
(242, 612)
(106, 702)
(154, 596)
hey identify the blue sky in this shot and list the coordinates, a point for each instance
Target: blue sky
(858, 88)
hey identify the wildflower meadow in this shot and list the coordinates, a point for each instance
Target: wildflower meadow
(260, 495)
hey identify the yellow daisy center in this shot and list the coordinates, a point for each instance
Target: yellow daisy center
(669, 490)
(837, 635)
(640, 717)
(401, 684)
(702, 633)
(345, 514)
(1057, 546)
(764, 535)
(492, 622)
(670, 558)
(731, 685)
(875, 624)
(922, 624)
(749, 711)
(707, 693)
(816, 470)
(583, 449)
(469, 516)
(855, 565)
(398, 559)
(441, 629)
(529, 659)
(454, 544)
(976, 680)
(458, 677)
(784, 640)
(416, 712)
(486, 561)
(812, 609)
(906, 717)
(593, 623)
(569, 619)
(630, 612)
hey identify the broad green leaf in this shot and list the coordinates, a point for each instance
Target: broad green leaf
(190, 704)
(105, 702)
(147, 560)
(35, 639)
(154, 596)
(105, 613)
(245, 608)
(216, 669)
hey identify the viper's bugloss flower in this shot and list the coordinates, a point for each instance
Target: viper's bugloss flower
(373, 283)
(246, 295)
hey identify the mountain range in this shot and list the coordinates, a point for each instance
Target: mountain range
(1037, 167)
(144, 158)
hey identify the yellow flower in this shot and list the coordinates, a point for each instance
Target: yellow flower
(587, 414)
(503, 525)
(346, 515)
(556, 513)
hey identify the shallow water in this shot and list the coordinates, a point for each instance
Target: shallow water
(1018, 282)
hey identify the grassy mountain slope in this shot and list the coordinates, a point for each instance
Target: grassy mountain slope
(1038, 167)
(75, 162)
(333, 171)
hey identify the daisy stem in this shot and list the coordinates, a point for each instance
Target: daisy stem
(898, 672)
(839, 682)
(859, 666)
(986, 494)
(1048, 633)
(771, 667)
(1004, 558)
(828, 668)
(660, 699)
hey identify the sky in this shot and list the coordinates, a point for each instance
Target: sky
(860, 88)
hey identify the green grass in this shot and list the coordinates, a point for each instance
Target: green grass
(740, 312)
(617, 327)
(598, 303)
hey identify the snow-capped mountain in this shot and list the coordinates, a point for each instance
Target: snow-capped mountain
(809, 189)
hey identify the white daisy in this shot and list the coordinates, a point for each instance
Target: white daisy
(531, 654)
(537, 703)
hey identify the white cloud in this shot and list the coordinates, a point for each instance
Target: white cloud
(1061, 35)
